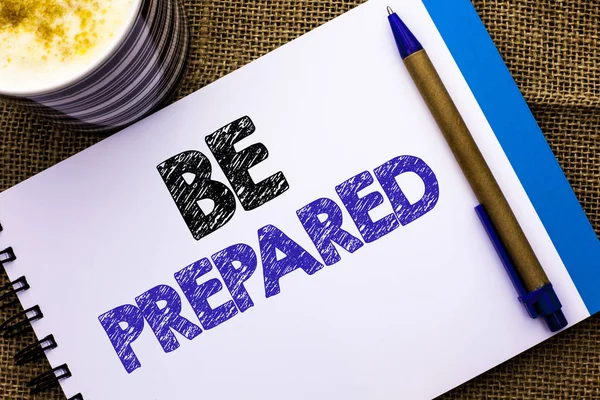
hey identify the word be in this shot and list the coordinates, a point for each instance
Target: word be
(322, 221)
(188, 178)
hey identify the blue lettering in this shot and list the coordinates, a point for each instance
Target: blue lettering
(359, 207)
(198, 294)
(272, 239)
(234, 277)
(124, 325)
(165, 316)
(406, 212)
(329, 231)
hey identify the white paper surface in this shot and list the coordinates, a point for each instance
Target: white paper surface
(409, 316)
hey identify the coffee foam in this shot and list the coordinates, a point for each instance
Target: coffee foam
(48, 43)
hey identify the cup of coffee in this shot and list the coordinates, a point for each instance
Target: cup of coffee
(94, 65)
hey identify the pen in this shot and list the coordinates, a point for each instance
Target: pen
(532, 284)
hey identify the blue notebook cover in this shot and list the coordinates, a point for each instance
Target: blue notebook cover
(523, 142)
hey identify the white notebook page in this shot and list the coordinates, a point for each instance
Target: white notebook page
(410, 315)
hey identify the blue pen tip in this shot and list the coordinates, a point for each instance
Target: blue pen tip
(406, 41)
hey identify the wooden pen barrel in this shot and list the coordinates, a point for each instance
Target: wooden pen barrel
(476, 170)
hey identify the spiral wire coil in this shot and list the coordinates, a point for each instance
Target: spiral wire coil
(19, 323)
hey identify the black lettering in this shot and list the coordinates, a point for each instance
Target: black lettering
(235, 165)
(187, 176)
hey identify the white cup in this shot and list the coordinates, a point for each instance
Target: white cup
(137, 75)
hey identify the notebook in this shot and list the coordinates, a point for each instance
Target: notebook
(183, 258)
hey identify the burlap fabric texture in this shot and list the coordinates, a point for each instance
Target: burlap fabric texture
(552, 49)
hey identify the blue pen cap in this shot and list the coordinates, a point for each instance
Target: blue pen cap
(541, 302)
(407, 42)
(556, 321)
(546, 304)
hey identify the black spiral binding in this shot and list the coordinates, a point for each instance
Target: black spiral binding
(19, 323)
(7, 255)
(35, 351)
(7, 292)
(48, 379)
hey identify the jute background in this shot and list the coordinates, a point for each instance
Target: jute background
(551, 47)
